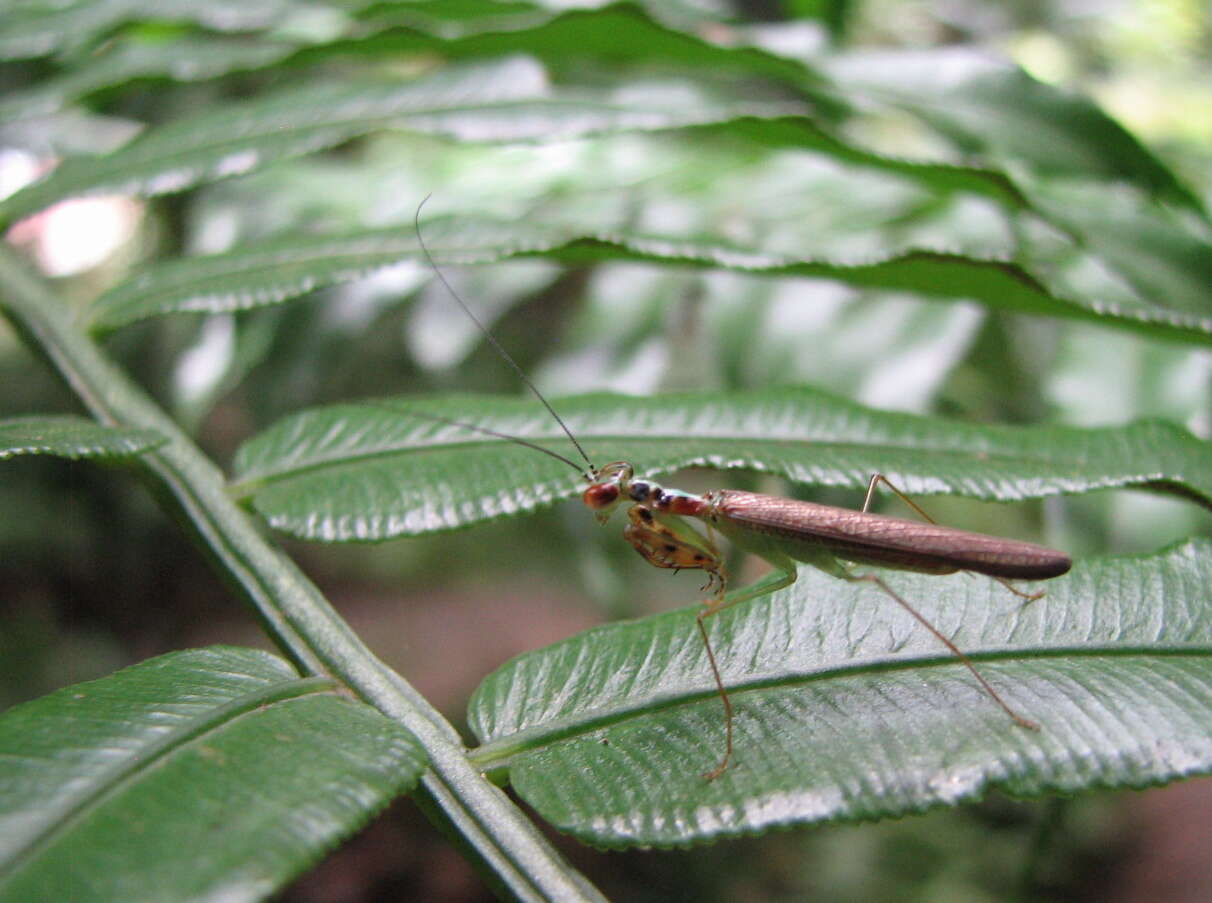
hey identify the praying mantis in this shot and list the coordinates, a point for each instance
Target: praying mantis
(784, 532)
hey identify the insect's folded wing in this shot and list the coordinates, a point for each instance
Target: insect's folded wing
(804, 528)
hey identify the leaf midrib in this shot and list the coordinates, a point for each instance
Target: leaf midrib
(496, 753)
(265, 477)
(112, 781)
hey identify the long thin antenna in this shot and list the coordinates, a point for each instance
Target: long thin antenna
(498, 346)
(450, 421)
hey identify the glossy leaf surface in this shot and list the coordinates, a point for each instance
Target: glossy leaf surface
(366, 472)
(846, 709)
(212, 774)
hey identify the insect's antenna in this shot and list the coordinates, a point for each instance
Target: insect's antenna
(480, 429)
(492, 340)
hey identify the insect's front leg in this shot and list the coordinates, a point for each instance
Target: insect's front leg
(667, 541)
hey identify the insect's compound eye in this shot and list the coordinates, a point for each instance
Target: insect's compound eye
(639, 490)
(601, 495)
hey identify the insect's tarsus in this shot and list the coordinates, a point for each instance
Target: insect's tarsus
(492, 340)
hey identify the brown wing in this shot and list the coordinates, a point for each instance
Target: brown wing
(882, 540)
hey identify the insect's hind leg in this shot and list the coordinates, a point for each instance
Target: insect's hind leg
(877, 478)
(951, 647)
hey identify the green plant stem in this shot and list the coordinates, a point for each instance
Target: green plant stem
(300, 620)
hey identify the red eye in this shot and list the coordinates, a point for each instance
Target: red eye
(601, 495)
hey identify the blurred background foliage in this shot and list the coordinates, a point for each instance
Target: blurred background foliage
(92, 576)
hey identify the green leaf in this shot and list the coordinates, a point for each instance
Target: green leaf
(999, 112)
(287, 266)
(1146, 244)
(563, 42)
(36, 30)
(581, 38)
(507, 100)
(578, 38)
(183, 59)
(846, 709)
(801, 133)
(71, 437)
(998, 284)
(370, 472)
(210, 774)
(269, 272)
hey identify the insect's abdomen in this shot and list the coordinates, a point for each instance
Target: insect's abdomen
(881, 540)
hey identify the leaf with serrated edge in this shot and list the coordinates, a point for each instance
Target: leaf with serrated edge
(210, 774)
(505, 100)
(363, 472)
(286, 267)
(71, 437)
(846, 709)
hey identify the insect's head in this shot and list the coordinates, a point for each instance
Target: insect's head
(611, 485)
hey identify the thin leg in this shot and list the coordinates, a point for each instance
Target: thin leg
(877, 478)
(719, 685)
(776, 579)
(1028, 597)
(1018, 719)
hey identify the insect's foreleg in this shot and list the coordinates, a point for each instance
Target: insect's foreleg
(967, 663)
(668, 541)
(877, 478)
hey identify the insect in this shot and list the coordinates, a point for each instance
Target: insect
(782, 531)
